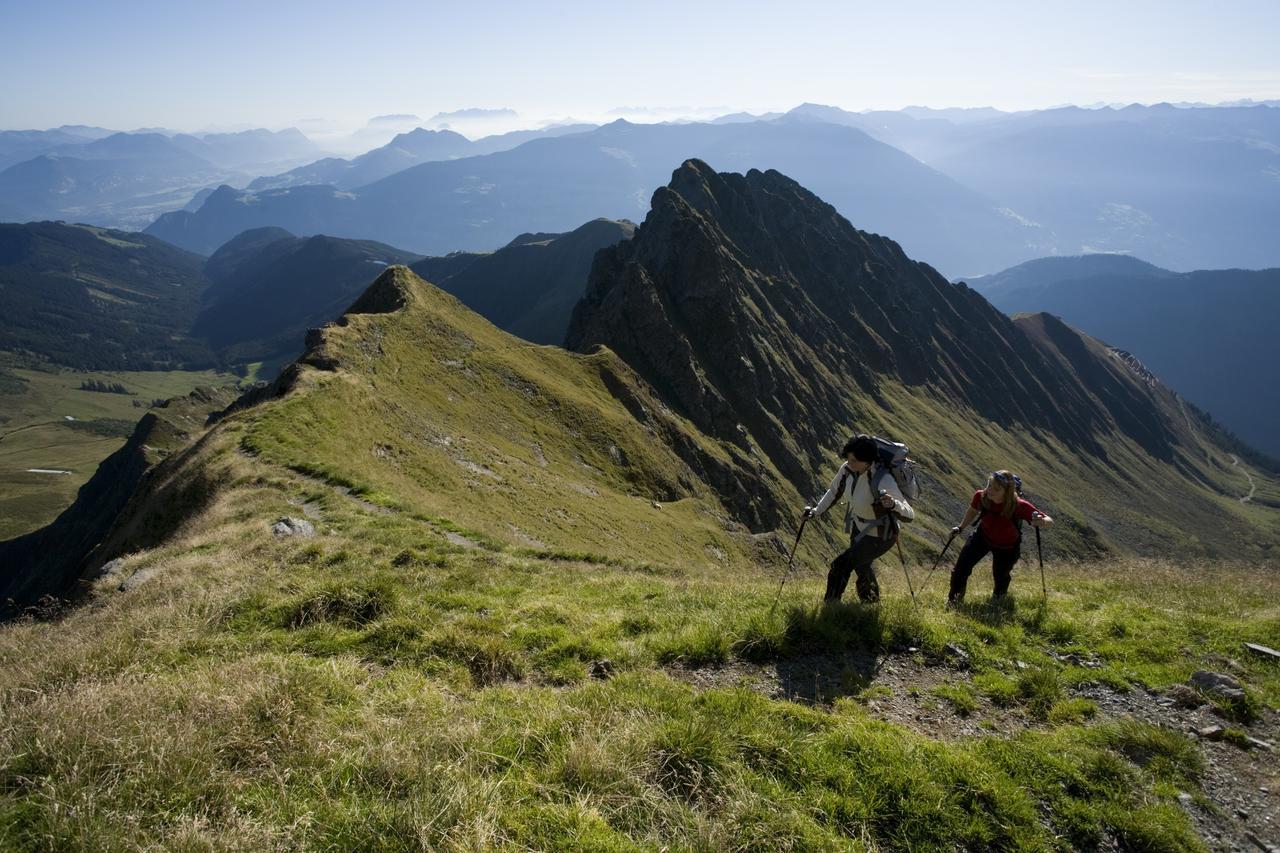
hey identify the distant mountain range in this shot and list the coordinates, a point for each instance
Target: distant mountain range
(92, 298)
(1186, 188)
(1206, 333)
(127, 179)
(554, 184)
(407, 149)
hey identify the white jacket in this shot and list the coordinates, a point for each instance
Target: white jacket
(859, 494)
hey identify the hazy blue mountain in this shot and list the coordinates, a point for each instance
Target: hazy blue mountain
(407, 149)
(1185, 187)
(1182, 199)
(123, 179)
(252, 151)
(92, 298)
(19, 145)
(1206, 333)
(267, 287)
(530, 286)
(554, 184)
(127, 179)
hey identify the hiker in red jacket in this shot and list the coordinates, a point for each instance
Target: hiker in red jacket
(1001, 511)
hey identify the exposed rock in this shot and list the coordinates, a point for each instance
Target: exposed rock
(1263, 651)
(1217, 684)
(111, 568)
(602, 668)
(136, 580)
(289, 526)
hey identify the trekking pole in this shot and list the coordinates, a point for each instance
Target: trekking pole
(937, 563)
(898, 540)
(790, 563)
(1044, 587)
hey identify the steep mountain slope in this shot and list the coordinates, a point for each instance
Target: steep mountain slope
(1207, 333)
(530, 286)
(553, 185)
(89, 297)
(268, 287)
(755, 326)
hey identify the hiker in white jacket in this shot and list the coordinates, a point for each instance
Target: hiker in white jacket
(875, 506)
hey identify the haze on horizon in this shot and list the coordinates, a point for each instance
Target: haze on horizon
(328, 67)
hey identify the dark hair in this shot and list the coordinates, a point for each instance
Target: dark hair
(863, 448)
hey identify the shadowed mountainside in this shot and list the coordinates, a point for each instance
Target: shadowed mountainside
(1207, 333)
(530, 286)
(93, 298)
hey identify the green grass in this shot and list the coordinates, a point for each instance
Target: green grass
(379, 681)
(428, 671)
(36, 434)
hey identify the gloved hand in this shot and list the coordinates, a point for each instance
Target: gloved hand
(808, 512)
(955, 531)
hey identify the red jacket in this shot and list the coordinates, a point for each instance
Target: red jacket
(1001, 532)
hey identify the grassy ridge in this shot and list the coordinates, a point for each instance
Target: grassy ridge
(385, 681)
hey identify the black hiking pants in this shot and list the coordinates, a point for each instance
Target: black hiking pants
(977, 547)
(857, 559)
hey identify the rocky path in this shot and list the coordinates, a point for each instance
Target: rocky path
(1253, 486)
(1240, 806)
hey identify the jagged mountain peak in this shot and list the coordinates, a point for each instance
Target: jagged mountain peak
(765, 317)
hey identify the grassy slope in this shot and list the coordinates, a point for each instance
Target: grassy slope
(35, 434)
(419, 674)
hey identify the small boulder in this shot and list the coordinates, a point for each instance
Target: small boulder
(602, 669)
(1217, 684)
(1211, 732)
(136, 580)
(289, 526)
(111, 568)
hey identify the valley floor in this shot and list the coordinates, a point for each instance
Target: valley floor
(48, 421)
(388, 680)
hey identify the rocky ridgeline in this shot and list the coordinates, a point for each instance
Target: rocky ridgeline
(755, 309)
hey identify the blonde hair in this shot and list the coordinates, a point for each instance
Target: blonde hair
(1010, 493)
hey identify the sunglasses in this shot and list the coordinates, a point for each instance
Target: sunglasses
(1007, 479)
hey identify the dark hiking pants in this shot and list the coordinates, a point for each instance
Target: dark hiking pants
(857, 560)
(1002, 560)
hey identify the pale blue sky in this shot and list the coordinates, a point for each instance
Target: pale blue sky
(190, 66)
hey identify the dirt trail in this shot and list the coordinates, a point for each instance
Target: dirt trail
(1253, 487)
(1235, 460)
(1242, 788)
